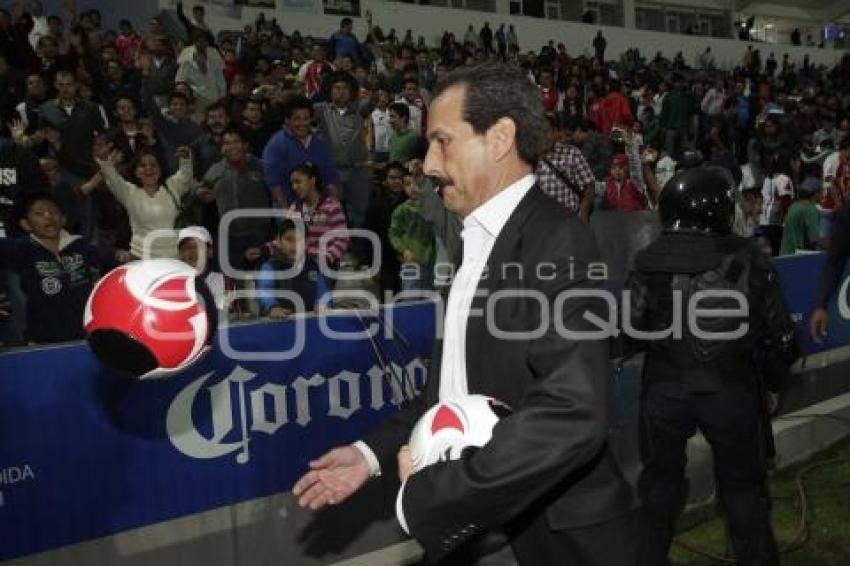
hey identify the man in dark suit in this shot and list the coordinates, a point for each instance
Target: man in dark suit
(547, 478)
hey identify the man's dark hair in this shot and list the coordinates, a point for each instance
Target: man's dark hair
(401, 109)
(494, 91)
(294, 103)
(258, 101)
(217, 105)
(177, 94)
(233, 130)
(346, 22)
(335, 77)
(128, 98)
(409, 80)
(844, 144)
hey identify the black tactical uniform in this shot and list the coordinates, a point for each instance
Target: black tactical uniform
(707, 375)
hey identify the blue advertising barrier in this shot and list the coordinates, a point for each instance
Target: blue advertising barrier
(85, 452)
(800, 275)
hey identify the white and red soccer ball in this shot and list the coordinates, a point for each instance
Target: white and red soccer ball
(149, 318)
(449, 427)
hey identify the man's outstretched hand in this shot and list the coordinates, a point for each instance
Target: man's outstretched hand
(332, 479)
(817, 325)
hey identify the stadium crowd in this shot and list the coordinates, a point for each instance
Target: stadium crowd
(109, 136)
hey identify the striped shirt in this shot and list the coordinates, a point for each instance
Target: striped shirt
(326, 217)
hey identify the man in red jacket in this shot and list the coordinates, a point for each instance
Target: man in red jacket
(616, 110)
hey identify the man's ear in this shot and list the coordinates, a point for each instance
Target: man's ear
(501, 138)
(25, 225)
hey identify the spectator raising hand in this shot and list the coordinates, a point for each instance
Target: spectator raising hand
(182, 153)
(102, 148)
(17, 129)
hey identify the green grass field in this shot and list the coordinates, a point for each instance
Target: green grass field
(828, 536)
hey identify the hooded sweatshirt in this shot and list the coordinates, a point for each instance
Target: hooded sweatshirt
(57, 286)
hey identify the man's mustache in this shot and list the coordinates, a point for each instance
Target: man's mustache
(440, 182)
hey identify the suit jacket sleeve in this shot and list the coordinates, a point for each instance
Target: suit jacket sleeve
(559, 426)
(386, 439)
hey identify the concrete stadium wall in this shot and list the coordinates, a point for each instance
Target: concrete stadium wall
(112, 11)
(431, 21)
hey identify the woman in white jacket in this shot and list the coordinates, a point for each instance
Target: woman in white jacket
(151, 203)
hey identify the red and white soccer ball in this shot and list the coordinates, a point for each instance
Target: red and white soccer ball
(149, 318)
(448, 427)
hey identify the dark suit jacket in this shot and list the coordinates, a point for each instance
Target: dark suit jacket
(551, 455)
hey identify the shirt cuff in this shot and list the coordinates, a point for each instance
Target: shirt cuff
(399, 509)
(371, 459)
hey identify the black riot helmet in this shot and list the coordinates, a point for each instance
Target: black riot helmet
(699, 199)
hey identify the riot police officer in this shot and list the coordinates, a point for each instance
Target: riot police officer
(699, 370)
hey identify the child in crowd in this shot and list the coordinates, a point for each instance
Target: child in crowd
(305, 280)
(621, 193)
(55, 269)
(195, 247)
(411, 236)
(321, 214)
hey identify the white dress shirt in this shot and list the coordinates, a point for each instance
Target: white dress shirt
(480, 231)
